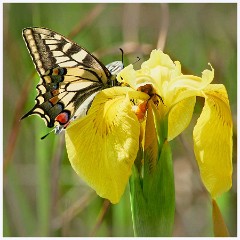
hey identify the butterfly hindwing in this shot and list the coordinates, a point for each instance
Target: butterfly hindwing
(70, 76)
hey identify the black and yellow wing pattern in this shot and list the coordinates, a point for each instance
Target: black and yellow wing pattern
(70, 77)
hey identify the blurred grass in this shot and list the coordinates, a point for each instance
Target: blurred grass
(42, 194)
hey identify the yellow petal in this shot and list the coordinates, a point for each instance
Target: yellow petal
(193, 82)
(180, 116)
(128, 76)
(213, 141)
(135, 79)
(158, 58)
(103, 145)
(207, 76)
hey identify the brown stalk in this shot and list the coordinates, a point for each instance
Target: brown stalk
(101, 215)
(55, 166)
(164, 23)
(16, 124)
(90, 17)
(71, 212)
(130, 24)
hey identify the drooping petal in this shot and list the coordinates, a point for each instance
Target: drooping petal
(103, 145)
(180, 116)
(213, 141)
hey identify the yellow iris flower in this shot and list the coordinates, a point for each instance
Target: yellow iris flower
(212, 134)
(103, 145)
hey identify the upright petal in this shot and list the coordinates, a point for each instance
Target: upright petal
(158, 58)
(213, 141)
(103, 145)
(180, 116)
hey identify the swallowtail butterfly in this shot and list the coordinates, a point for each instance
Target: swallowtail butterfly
(70, 77)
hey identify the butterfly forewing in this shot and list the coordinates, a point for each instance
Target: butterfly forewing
(50, 50)
(70, 76)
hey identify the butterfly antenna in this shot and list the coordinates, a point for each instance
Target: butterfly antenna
(122, 54)
(47, 134)
(138, 59)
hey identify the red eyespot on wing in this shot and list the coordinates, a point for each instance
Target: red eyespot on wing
(62, 118)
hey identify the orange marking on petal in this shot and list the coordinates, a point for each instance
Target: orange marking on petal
(141, 110)
(146, 89)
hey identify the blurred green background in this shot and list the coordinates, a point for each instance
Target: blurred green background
(42, 194)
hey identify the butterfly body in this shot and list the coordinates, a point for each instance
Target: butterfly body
(70, 77)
